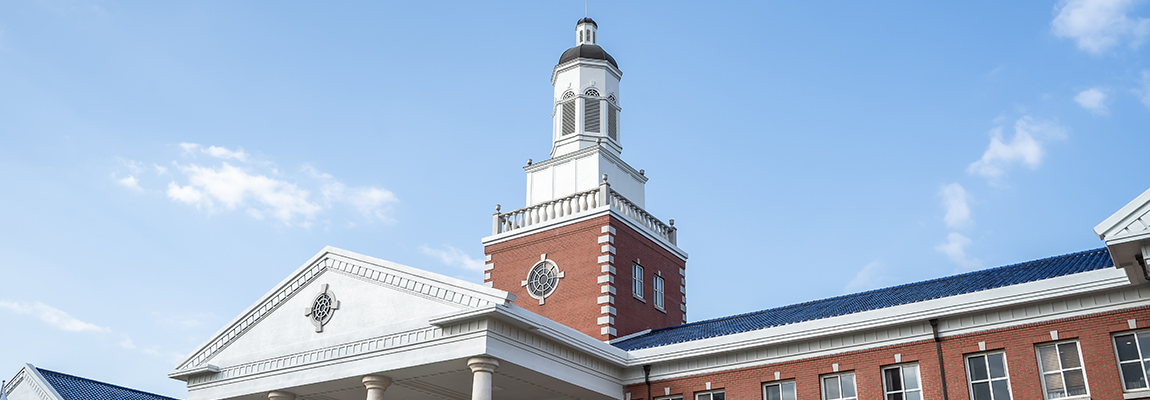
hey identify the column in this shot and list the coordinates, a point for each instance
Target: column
(481, 368)
(376, 385)
(281, 395)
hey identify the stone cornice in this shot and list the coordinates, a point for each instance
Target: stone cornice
(570, 65)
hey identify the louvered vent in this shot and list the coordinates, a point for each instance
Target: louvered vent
(613, 122)
(568, 117)
(591, 115)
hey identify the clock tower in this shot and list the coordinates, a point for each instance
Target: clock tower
(584, 251)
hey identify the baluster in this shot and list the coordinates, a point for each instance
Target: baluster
(567, 205)
(592, 202)
(583, 202)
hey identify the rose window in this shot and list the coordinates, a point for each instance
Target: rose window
(542, 280)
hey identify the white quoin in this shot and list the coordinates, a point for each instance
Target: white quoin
(586, 82)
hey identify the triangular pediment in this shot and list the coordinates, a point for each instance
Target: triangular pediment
(1132, 222)
(363, 297)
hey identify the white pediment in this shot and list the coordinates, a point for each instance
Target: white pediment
(1132, 222)
(376, 298)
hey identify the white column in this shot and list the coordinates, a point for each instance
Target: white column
(281, 395)
(481, 368)
(376, 385)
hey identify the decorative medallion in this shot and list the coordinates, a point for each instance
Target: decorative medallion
(542, 279)
(322, 308)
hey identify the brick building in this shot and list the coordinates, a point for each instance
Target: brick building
(585, 298)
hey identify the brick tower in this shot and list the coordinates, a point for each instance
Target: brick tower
(585, 252)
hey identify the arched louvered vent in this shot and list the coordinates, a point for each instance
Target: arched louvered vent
(568, 94)
(611, 98)
(613, 122)
(592, 92)
(591, 115)
(568, 117)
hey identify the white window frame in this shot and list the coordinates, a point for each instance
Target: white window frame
(902, 380)
(1062, 371)
(658, 284)
(782, 387)
(710, 394)
(989, 379)
(637, 281)
(854, 386)
(1141, 360)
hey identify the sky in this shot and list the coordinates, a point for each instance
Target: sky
(165, 164)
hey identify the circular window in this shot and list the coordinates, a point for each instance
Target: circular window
(542, 280)
(322, 308)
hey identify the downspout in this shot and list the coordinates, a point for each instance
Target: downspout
(647, 379)
(938, 350)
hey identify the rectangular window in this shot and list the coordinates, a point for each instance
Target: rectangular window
(569, 117)
(657, 284)
(591, 115)
(1062, 372)
(1133, 351)
(986, 374)
(713, 395)
(839, 387)
(779, 391)
(637, 280)
(901, 383)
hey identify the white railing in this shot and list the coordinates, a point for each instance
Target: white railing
(579, 203)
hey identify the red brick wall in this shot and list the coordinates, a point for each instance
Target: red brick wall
(1093, 333)
(635, 315)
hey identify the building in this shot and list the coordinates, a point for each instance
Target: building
(584, 298)
(31, 383)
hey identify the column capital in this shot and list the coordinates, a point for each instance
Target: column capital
(376, 382)
(485, 364)
(280, 395)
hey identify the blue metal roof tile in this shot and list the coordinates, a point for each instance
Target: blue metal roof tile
(955, 285)
(77, 388)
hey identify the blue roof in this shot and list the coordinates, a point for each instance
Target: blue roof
(1030, 271)
(77, 388)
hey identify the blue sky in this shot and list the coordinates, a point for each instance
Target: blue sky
(165, 164)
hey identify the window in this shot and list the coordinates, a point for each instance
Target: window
(1133, 351)
(1061, 367)
(657, 284)
(713, 395)
(591, 114)
(637, 281)
(779, 391)
(901, 383)
(986, 374)
(569, 117)
(841, 386)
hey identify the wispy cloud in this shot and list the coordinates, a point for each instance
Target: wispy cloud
(54, 317)
(215, 151)
(129, 182)
(1025, 148)
(371, 202)
(955, 249)
(1098, 25)
(871, 276)
(1093, 99)
(954, 200)
(454, 257)
(232, 187)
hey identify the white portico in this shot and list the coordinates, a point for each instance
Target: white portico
(345, 326)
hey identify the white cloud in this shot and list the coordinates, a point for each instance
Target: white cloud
(160, 170)
(955, 249)
(127, 343)
(1092, 99)
(215, 151)
(130, 182)
(53, 317)
(954, 200)
(372, 202)
(1098, 25)
(1025, 147)
(234, 187)
(454, 257)
(871, 276)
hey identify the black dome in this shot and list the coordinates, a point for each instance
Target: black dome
(587, 51)
(587, 20)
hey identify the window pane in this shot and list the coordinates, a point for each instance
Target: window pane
(849, 385)
(894, 396)
(703, 396)
(1075, 382)
(915, 395)
(910, 377)
(774, 393)
(789, 391)
(1068, 353)
(831, 387)
(1054, 387)
(892, 379)
(1127, 349)
(718, 395)
(1144, 343)
(1132, 375)
(997, 365)
(981, 391)
(977, 367)
(1001, 389)
(1048, 358)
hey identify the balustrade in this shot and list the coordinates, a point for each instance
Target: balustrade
(576, 204)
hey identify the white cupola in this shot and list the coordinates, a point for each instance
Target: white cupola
(586, 82)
